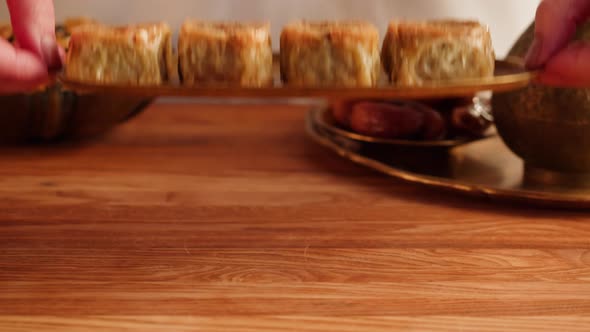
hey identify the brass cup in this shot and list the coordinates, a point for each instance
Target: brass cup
(548, 128)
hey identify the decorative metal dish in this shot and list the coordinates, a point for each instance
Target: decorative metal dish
(485, 168)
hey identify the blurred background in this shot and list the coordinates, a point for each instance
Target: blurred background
(506, 18)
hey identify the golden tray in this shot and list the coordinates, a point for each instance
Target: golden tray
(510, 75)
(484, 168)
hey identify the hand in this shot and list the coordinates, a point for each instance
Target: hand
(27, 65)
(563, 62)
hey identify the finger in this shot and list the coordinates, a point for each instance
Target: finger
(555, 25)
(20, 69)
(569, 68)
(33, 22)
(62, 54)
(20, 88)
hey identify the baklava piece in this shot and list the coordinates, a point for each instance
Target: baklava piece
(72, 23)
(134, 55)
(64, 31)
(330, 54)
(6, 32)
(225, 53)
(415, 53)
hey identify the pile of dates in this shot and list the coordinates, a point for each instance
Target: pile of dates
(424, 121)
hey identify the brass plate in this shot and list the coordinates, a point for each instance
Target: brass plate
(485, 168)
(324, 119)
(509, 76)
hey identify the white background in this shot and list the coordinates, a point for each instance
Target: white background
(506, 18)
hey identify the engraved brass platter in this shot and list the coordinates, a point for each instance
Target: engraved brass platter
(484, 168)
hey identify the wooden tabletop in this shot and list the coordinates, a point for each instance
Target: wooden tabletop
(207, 218)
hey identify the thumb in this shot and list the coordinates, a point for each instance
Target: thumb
(555, 25)
(569, 68)
(33, 22)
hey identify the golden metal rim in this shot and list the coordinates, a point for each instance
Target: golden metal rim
(499, 83)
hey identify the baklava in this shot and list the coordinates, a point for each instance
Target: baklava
(6, 32)
(64, 31)
(225, 53)
(417, 53)
(132, 55)
(330, 54)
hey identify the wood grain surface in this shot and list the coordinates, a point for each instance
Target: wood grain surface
(217, 218)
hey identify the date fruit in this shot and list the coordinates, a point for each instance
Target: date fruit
(435, 126)
(341, 111)
(384, 120)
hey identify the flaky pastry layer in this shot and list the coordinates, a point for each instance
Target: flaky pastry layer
(225, 53)
(415, 53)
(135, 55)
(330, 54)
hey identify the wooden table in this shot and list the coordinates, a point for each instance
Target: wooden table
(228, 218)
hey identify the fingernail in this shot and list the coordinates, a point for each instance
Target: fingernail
(533, 58)
(50, 52)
